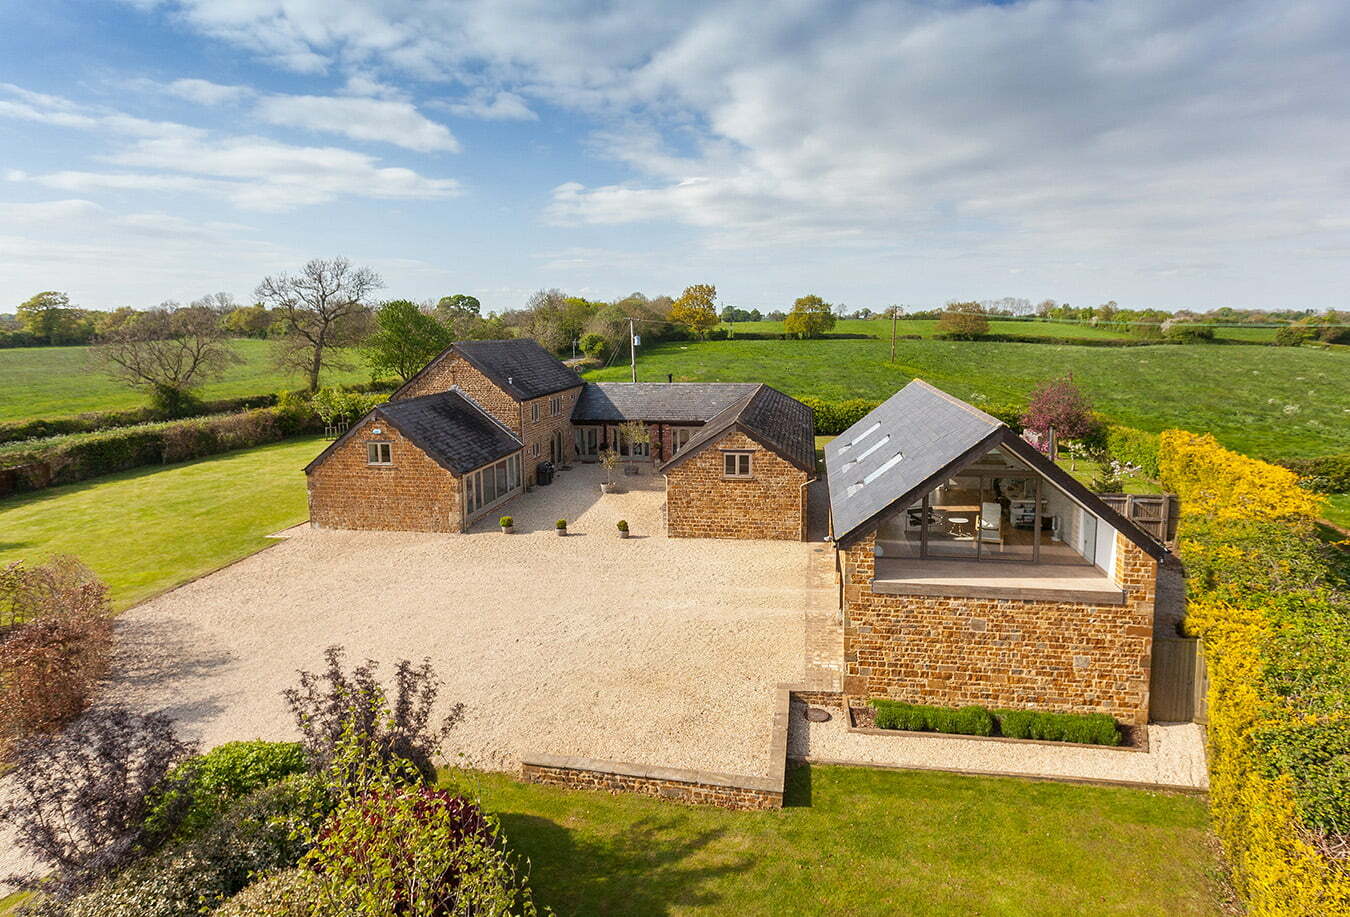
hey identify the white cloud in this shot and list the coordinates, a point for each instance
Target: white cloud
(493, 106)
(380, 120)
(204, 92)
(254, 173)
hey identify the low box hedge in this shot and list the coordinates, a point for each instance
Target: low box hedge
(1085, 728)
(966, 721)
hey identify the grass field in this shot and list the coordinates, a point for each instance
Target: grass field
(60, 381)
(1338, 510)
(1263, 401)
(862, 841)
(881, 328)
(146, 530)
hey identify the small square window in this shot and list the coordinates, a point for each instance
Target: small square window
(534, 412)
(379, 454)
(736, 464)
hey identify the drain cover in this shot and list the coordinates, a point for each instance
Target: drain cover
(817, 715)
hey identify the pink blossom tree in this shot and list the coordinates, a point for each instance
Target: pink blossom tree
(1061, 405)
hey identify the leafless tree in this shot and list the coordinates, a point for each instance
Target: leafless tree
(167, 351)
(324, 307)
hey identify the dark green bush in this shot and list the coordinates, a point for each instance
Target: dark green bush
(1137, 447)
(19, 430)
(970, 721)
(269, 830)
(200, 788)
(1087, 729)
(1323, 474)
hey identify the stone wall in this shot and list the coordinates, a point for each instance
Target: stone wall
(662, 783)
(450, 370)
(1069, 657)
(539, 433)
(413, 494)
(702, 503)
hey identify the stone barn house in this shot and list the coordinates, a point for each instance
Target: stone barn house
(973, 570)
(469, 432)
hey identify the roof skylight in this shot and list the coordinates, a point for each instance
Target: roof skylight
(883, 468)
(860, 437)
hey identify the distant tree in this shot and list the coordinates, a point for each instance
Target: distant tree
(1045, 307)
(777, 315)
(168, 352)
(594, 345)
(461, 314)
(1291, 336)
(810, 317)
(249, 321)
(1061, 404)
(50, 319)
(404, 340)
(323, 308)
(962, 321)
(695, 308)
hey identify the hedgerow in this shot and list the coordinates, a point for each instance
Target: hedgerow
(834, 417)
(1135, 447)
(1276, 626)
(1323, 474)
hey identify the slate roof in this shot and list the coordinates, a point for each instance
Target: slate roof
(776, 421)
(657, 402)
(522, 367)
(448, 427)
(518, 366)
(927, 427)
(931, 432)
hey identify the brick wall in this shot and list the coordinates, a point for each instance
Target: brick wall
(452, 370)
(541, 432)
(413, 494)
(1069, 657)
(702, 503)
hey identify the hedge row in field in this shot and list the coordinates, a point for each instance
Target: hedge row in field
(78, 457)
(1276, 624)
(18, 430)
(834, 417)
(1324, 474)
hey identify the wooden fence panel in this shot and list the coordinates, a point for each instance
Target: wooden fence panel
(1154, 513)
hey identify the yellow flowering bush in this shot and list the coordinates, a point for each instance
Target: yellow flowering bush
(1277, 639)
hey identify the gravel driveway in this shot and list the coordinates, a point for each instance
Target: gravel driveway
(648, 650)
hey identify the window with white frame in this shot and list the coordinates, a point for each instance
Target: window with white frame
(490, 484)
(534, 451)
(534, 412)
(555, 406)
(679, 438)
(736, 465)
(379, 453)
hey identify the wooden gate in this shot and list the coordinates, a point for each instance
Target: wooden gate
(1154, 513)
(1180, 681)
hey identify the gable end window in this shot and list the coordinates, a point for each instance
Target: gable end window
(736, 465)
(554, 406)
(379, 453)
(534, 412)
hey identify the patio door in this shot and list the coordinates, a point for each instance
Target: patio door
(588, 441)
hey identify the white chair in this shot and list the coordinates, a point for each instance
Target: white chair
(991, 524)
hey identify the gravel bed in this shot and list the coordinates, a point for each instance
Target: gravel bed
(1175, 756)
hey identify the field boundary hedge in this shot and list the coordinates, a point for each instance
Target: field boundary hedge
(1275, 619)
(18, 430)
(834, 417)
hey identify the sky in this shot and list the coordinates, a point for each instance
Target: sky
(1161, 154)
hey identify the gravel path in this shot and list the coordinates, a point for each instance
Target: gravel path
(650, 650)
(1176, 755)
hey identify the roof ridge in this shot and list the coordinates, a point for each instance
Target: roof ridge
(970, 408)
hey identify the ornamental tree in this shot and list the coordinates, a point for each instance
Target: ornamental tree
(1060, 404)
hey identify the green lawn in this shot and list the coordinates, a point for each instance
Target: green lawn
(147, 530)
(1338, 510)
(60, 381)
(1264, 401)
(863, 841)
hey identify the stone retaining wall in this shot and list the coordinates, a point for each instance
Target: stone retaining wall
(687, 786)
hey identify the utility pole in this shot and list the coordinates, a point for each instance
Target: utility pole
(895, 310)
(632, 348)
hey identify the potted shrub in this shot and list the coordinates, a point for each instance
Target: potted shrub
(623, 528)
(508, 524)
(609, 460)
(561, 526)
